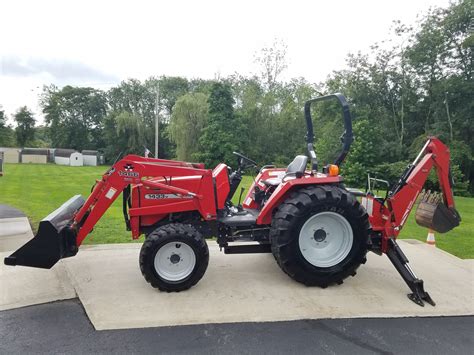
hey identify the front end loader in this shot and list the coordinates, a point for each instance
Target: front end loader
(317, 229)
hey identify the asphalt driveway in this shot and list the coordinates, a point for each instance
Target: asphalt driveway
(63, 327)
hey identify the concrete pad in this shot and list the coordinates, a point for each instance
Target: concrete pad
(242, 288)
(26, 286)
(14, 232)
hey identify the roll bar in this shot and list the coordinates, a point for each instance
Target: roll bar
(346, 138)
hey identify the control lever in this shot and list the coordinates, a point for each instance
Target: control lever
(239, 206)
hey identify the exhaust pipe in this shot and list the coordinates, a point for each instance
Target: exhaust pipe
(55, 239)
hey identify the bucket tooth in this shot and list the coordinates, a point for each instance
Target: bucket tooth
(55, 239)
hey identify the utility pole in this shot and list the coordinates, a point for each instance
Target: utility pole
(157, 118)
(446, 103)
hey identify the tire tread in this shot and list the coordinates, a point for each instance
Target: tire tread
(161, 235)
(295, 208)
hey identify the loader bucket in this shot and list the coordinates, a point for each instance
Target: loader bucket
(437, 216)
(55, 239)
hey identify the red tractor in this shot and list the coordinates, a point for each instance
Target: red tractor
(315, 227)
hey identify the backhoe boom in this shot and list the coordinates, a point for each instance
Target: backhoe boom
(388, 219)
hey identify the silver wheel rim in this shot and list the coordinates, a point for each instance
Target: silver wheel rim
(175, 261)
(325, 239)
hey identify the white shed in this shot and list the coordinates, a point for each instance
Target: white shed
(34, 155)
(10, 155)
(76, 159)
(62, 156)
(90, 157)
(68, 157)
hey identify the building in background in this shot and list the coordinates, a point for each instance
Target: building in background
(34, 156)
(63, 156)
(76, 159)
(11, 155)
(90, 157)
(58, 156)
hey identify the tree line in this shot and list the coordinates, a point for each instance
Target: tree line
(400, 92)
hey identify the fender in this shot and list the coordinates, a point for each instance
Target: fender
(285, 188)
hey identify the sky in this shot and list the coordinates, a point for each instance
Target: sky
(100, 43)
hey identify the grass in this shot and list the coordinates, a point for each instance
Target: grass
(458, 241)
(39, 189)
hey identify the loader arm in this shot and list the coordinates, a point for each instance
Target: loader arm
(62, 232)
(139, 172)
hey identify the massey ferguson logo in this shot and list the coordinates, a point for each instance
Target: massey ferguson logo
(128, 171)
(128, 167)
(128, 174)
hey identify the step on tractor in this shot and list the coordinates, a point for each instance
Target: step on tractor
(318, 230)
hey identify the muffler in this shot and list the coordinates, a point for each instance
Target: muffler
(55, 239)
(432, 213)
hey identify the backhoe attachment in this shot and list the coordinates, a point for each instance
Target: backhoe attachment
(55, 239)
(435, 211)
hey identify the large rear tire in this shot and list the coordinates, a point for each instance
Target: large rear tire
(174, 257)
(319, 235)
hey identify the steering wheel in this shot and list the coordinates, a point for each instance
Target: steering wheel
(243, 158)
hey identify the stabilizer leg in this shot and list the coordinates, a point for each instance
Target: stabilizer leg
(400, 261)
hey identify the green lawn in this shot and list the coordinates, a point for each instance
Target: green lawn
(37, 190)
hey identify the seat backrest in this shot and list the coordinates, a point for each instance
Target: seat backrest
(298, 165)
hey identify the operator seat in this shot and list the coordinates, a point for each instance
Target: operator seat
(296, 169)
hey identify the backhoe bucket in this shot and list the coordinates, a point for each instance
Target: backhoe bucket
(432, 213)
(55, 239)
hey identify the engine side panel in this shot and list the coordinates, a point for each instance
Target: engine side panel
(143, 197)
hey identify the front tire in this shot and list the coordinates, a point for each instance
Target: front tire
(319, 235)
(174, 257)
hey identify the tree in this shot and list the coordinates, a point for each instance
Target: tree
(134, 97)
(171, 89)
(273, 62)
(187, 121)
(6, 132)
(74, 116)
(42, 137)
(124, 133)
(417, 84)
(444, 62)
(140, 100)
(364, 153)
(24, 130)
(219, 138)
